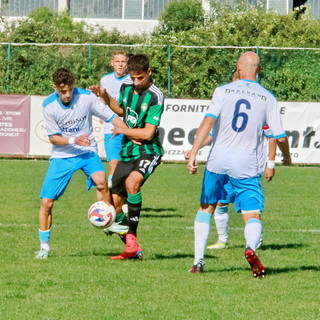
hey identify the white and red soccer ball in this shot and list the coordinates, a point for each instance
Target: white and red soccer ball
(101, 214)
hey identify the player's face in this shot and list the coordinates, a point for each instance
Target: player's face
(119, 64)
(64, 92)
(141, 80)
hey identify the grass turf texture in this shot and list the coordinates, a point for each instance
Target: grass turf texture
(78, 281)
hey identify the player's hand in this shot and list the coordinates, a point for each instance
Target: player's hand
(97, 90)
(269, 174)
(192, 165)
(83, 140)
(187, 154)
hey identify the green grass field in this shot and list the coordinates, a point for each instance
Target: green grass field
(78, 281)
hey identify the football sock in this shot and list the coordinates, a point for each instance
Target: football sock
(134, 208)
(252, 233)
(221, 218)
(201, 234)
(110, 182)
(44, 237)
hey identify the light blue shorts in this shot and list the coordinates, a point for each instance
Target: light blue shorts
(112, 146)
(248, 194)
(230, 194)
(61, 170)
(213, 190)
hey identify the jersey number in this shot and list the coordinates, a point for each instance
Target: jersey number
(241, 116)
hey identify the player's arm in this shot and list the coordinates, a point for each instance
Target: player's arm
(138, 134)
(283, 145)
(206, 142)
(107, 99)
(270, 168)
(201, 135)
(82, 140)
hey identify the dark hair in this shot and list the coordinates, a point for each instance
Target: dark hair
(63, 76)
(138, 62)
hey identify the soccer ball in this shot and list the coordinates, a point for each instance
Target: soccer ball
(101, 214)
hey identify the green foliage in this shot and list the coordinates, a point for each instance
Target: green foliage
(79, 281)
(181, 16)
(194, 72)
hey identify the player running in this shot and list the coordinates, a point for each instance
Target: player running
(243, 108)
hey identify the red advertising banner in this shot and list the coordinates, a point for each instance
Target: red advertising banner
(14, 124)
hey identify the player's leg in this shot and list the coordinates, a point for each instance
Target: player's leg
(212, 191)
(57, 178)
(112, 147)
(201, 233)
(92, 166)
(221, 218)
(250, 202)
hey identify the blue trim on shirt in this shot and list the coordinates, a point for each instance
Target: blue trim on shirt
(211, 115)
(111, 119)
(283, 135)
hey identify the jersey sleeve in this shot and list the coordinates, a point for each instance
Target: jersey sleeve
(274, 120)
(155, 111)
(51, 125)
(100, 110)
(215, 104)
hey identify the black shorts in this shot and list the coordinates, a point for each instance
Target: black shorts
(146, 164)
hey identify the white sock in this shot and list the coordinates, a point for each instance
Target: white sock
(201, 234)
(252, 233)
(221, 218)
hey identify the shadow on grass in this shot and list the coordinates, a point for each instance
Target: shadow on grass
(276, 246)
(287, 270)
(178, 256)
(156, 215)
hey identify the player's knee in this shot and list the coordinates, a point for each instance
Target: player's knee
(132, 186)
(46, 204)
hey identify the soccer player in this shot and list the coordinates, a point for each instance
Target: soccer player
(112, 83)
(141, 104)
(221, 213)
(240, 109)
(68, 118)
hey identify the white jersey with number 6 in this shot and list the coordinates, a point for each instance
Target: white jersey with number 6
(243, 108)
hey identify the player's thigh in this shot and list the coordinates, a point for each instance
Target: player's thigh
(146, 165)
(248, 194)
(119, 177)
(58, 177)
(93, 168)
(212, 190)
(112, 146)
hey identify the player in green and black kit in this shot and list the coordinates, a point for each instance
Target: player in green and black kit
(141, 106)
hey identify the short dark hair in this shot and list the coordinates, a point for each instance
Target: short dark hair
(138, 62)
(63, 76)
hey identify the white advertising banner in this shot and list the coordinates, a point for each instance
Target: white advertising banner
(181, 119)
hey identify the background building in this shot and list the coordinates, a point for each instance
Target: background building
(130, 16)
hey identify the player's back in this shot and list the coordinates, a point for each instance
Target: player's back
(243, 108)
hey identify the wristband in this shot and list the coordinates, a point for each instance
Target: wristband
(71, 140)
(271, 164)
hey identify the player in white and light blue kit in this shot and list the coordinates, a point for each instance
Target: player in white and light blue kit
(68, 118)
(112, 83)
(243, 108)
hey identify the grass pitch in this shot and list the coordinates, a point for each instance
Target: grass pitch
(78, 281)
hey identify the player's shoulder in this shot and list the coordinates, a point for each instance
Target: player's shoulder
(107, 75)
(49, 100)
(153, 89)
(80, 91)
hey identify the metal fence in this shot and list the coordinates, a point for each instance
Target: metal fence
(180, 71)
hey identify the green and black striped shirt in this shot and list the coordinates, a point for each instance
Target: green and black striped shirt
(139, 109)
